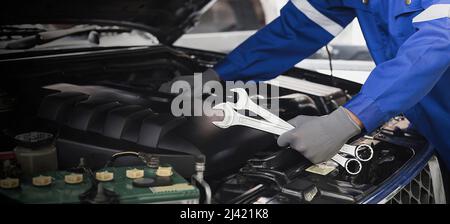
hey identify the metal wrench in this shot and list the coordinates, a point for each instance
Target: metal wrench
(232, 118)
(352, 166)
(363, 152)
(245, 103)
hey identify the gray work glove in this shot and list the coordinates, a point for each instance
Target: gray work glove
(320, 138)
(196, 88)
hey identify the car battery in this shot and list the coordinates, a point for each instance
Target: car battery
(57, 190)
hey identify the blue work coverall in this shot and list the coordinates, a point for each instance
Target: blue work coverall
(409, 41)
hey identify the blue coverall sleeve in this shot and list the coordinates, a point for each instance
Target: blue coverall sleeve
(302, 28)
(396, 85)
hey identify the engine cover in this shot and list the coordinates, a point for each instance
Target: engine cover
(98, 121)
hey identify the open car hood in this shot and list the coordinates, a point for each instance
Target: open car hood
(166, 19)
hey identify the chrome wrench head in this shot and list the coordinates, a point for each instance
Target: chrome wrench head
(364, 152)
(232, 118)
(245, 103)
(243, 98)
(228, 115)
(352, 166)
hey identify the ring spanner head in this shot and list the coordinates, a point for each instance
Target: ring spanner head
(364, 152)
(353, 166)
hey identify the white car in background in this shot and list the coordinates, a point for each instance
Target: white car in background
(229, 22)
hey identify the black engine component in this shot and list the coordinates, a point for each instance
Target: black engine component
(95, 122)
(283, 177)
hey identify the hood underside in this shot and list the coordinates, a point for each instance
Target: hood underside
(167, 19)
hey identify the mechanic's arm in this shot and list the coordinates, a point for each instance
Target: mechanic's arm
(396, 85)
(392, 88)
(302, 28)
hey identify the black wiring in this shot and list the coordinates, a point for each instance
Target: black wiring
(331, 65)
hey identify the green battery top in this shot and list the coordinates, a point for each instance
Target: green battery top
(60, 192)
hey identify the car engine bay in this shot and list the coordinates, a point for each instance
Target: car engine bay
(100, 105)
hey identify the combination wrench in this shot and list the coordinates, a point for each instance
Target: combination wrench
(362, 152)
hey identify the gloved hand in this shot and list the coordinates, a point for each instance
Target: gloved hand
(320, 138)
(196, 88)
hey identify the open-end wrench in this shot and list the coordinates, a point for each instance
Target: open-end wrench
(233, 118)
(245, 103)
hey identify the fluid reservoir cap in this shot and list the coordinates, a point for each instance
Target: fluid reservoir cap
(34, 139)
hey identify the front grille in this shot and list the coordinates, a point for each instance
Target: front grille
(418, 191)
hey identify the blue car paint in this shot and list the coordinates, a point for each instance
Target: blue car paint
(401, 178)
